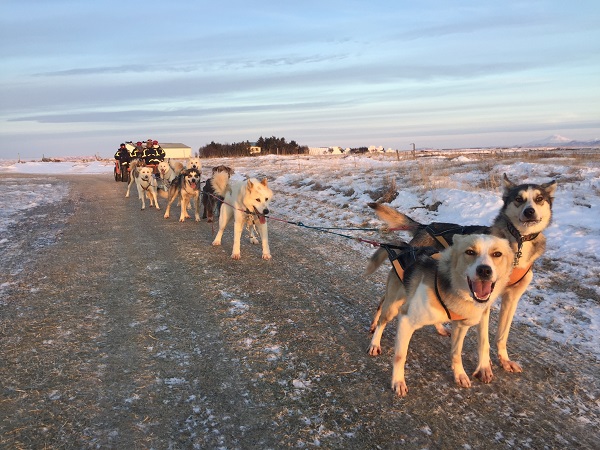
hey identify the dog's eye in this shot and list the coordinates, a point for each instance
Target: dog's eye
(258, 200)
(267, 199)
(496, 254)
(470, 252)
(519, 199)
(539, 199)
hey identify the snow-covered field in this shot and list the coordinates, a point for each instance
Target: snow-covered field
(563, 302)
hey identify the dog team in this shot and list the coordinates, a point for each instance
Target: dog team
(446, 273)
(246, 202)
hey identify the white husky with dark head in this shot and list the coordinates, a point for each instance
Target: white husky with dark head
(247, 202)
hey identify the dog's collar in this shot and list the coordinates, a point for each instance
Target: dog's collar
(451, 315)
(520, 239)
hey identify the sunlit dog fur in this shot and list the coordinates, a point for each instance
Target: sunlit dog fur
(527, 208)
(220, 175)
(146, 186)
(194, 163)
(247, 202)
(469, 276)
(186, 189)
(134, 165)
(167, 172)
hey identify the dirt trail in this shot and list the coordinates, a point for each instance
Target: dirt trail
(120, 329)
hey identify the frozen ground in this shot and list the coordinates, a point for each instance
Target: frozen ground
(563, 302)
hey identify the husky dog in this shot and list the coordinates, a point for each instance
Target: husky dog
(167, 172)
(186, 188)
(220, 175)
(146, 183)
(461, 286)
(247, 202)
(194, 163)
(134, 166)
(525, 214)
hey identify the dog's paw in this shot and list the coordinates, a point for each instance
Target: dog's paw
(236, 256)
(484, 374)
(375, 350)
(127, 195)
(266, 256)
(197, 219)
(442, 330)
(400, 388)
(253, 240)
(462, 379)
(166, 216)
(510, 366)
(216, 243)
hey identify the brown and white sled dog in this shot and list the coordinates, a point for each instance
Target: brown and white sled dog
(461, 286)
(185, 188)
(247, 202)
(220, 176)
(525, 214)
(146, 185)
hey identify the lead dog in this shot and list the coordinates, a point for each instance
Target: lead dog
(220, 176)
(525, 214)
(247, 202)
(146, 184)
(186, 188)
(460, 287)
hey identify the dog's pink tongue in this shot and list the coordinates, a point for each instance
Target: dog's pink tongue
(193, 185)
(262, 219)
(482, 289)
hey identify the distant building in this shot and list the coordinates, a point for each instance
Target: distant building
(325, 150)
(176, 150)
(254, 149)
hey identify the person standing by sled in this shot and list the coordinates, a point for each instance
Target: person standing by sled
(124, 158)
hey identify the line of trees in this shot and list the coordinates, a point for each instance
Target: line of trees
(268, 146)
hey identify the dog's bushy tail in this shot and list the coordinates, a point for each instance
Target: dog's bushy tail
(219, 182)
(394, 219)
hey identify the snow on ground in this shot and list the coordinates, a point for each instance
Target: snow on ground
(561, 303)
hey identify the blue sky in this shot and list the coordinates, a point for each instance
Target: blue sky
(80, 77)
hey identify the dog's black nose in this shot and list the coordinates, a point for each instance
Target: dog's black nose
(265, 212)
(529, 212)
(484, 271)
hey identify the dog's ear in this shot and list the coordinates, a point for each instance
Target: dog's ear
(508, 184)
(550, 188)
(264, 182)
(249, 185)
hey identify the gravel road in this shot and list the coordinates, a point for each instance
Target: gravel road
(120, 329)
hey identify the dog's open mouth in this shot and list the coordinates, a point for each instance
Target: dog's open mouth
(193, 184)
(481, 289)
(261, 217)
(530, 223)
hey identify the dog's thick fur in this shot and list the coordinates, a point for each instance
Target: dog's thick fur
(167, 172)
(186, 188)
(194, 163)
(146, 184)
(247, 202)
(220, 176)
(469, 276)
(526, 210)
